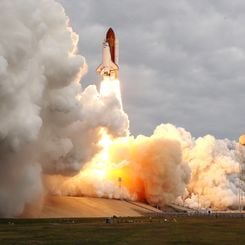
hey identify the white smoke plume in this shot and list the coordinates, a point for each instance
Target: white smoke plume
(48, 124)
(143, 168)
(216, 167)
(170, 166)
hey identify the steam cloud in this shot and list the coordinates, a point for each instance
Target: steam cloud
(50, 128)
(48, 124)
(170, 166)
(215, 169)
(149, 168)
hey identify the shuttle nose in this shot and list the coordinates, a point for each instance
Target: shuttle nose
(110, 34)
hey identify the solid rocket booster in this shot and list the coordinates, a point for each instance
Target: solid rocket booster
(109, 66)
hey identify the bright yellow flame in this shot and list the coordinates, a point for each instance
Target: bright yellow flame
(115, 166)
(102, 166)
(101, 163)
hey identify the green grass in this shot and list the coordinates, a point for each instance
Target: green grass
(180, 230)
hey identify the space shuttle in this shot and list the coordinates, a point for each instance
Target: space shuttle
(109, 67)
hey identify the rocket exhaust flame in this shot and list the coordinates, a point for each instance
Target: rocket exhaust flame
(110, 87)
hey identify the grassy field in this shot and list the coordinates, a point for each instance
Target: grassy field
(144, 230)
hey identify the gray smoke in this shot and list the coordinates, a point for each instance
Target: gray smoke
(48, 124)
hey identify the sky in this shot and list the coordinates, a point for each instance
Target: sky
(181, 61)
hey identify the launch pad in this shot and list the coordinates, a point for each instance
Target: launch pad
(68, 207)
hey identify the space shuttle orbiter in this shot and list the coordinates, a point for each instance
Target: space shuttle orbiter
(109, 66)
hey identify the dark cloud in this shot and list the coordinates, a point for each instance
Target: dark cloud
(181, 62)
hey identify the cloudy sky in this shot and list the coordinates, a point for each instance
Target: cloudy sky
(181, 61)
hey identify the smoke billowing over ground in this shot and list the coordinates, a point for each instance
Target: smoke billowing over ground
(59, 138)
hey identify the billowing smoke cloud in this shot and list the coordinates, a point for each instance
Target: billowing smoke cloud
(215, 169)
(143, 168)
(48, 124)
(170, 166)
(51, 129)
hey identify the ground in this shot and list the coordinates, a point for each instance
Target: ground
(143, 230)
(65, 207)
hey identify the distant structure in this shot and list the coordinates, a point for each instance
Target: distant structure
(120, 186)
(120, 182)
